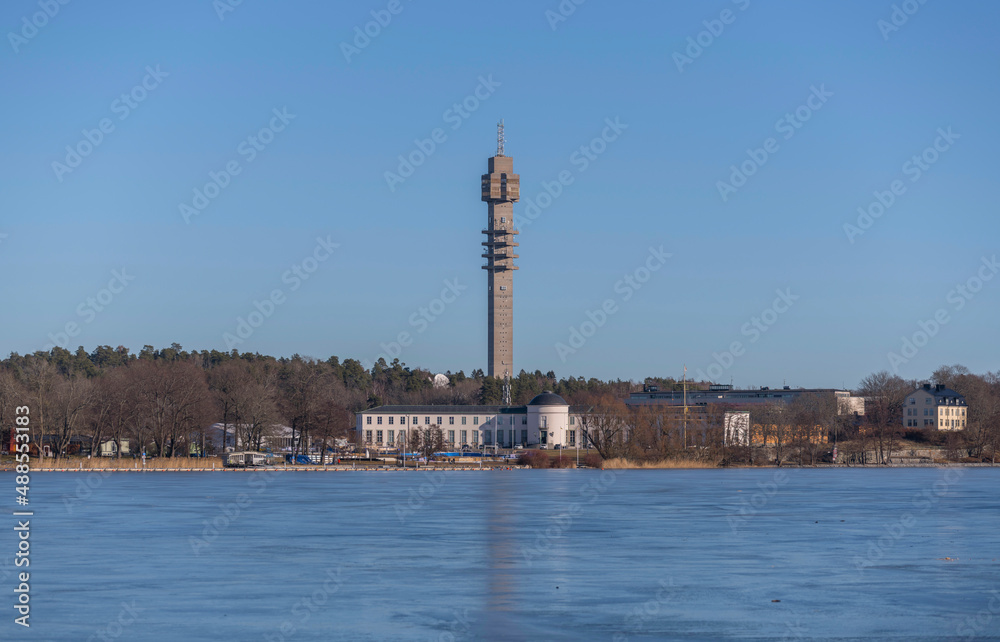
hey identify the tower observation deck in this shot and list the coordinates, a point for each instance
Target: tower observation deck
(501, 189)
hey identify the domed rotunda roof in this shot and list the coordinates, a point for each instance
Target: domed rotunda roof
(548, 398)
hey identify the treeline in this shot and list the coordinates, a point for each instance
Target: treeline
(883, 431)
(777, 432)
(163, 400)
(803, 431)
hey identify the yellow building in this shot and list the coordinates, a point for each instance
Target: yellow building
(935, 407)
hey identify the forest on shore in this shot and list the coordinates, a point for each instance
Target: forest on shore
(164, 400)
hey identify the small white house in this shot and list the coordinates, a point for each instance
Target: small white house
(110, 448)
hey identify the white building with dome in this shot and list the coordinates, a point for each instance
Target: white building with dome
(546, 421)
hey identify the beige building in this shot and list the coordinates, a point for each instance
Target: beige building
(935, 407)
(501, 188)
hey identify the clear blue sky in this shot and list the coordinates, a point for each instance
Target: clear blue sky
(323, 176)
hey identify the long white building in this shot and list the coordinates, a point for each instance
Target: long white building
(546, 420)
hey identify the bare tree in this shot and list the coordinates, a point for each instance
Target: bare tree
(39, 377)
(226, 381)
(301, 386)
(173, 403)
(769, 429)
(332, 420)
(431, 441)
(884, 394)
(255, 410)
(11, 396)
(118, 394)
(69, 402)
(605, 426)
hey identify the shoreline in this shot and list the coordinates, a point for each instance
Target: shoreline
(398, 469)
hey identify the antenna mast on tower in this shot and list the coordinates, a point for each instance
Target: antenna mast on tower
(500, 138)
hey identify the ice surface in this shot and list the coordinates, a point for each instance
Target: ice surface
(852, 554)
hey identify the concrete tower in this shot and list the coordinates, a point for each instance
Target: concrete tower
(501, 189)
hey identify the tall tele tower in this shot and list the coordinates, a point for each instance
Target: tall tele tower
(501, 189)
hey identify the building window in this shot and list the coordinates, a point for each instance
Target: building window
(545, 421)
(465, 437)
(439, 421)
(391, 437)
(390, 421)
(463, 420)
(475, 421)
(379, 420)
(913, 400)
(475, 437)
(524, 437)
(503, 287)
(368, 436)
(572, 421)
(451, 436)
(524, 420)
(427, 421)
(487, 437)
(378, 436)
(572, 438)
(503, 219)
(402, 437)
(368, 420)
(451, 421)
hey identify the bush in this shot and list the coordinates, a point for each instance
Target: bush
(542, 459)
(535, 459)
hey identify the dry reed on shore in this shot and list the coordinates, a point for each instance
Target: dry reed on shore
(180, 463)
